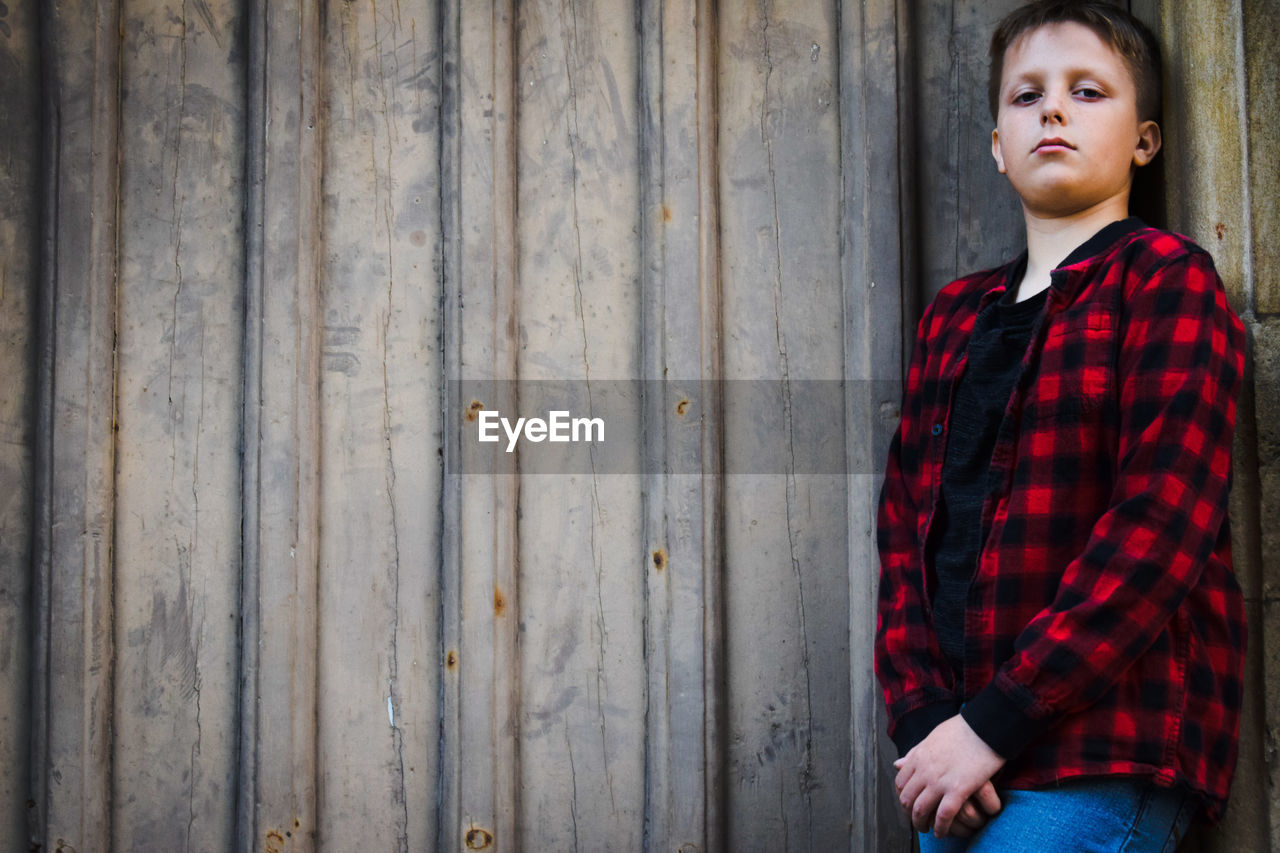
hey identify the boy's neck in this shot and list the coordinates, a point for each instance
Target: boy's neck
(1051, 238)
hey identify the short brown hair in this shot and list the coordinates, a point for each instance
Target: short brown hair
(1125, 34)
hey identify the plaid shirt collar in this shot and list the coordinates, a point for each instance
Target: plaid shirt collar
(1062, 284)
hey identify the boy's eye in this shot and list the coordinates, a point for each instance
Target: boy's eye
(1089, 93)
(1025, 97)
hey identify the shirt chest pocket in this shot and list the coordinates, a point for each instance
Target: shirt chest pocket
(1076, 376)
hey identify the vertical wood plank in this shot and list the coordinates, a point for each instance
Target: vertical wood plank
(180, 372)
(578, 315)
(1204, 147)
(249, 659)
(277, 809)
(74, 655)
(1261, 57)
(479, 786)
(1261, 49)
(378, 601)
(787, 594)
(680, 296)
(969, 216)
(455, 75)
(20, 185)
(876, 129)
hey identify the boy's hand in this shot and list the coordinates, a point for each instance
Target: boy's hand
(975, 813)
(936, 778)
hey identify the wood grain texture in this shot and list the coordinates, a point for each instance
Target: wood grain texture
(74, 530)
(1261, 59)
(786, 548)
(878, 223)
(179, 375)
(20, 211)
(1206, 167)
(479, 777)
(969, 217)
(581, 666)
(278, 780)
(680, 299)
(378, 721)
(1260, 47)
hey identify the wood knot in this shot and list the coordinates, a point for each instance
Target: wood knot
(478, 839)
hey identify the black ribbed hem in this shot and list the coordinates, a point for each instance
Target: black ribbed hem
(916, 725)
(996, 718)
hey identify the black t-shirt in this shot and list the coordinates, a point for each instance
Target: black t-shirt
(997, 346)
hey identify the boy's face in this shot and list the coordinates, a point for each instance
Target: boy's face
(1067, 130)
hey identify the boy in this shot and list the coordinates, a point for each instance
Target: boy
(1058, 618)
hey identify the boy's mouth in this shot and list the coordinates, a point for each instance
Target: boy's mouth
(1056, 143)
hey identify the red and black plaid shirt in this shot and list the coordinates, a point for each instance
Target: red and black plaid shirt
(1104, 631)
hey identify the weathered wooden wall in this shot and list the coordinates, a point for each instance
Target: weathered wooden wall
(251, 598)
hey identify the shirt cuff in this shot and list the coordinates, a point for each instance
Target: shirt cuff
(915, 726)
(1006, 727)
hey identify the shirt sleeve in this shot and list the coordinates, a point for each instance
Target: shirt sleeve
(916, 680)
(1180, 365)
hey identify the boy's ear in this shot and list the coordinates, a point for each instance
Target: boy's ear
(1148, 143)
(999, 157)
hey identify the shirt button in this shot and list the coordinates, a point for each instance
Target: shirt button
(937, 429)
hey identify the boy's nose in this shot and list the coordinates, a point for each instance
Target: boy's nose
(1051, 112)
(1051, 108)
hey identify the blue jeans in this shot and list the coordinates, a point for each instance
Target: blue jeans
(1115, 815)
